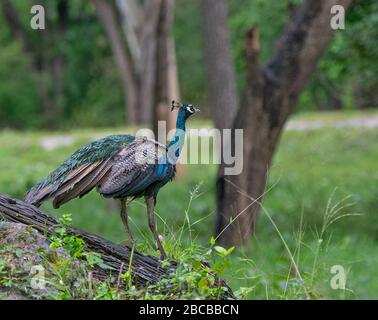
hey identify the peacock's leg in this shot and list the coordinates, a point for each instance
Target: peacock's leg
(150, 201)
(125, 219)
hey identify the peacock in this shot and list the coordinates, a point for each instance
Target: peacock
(121, 167)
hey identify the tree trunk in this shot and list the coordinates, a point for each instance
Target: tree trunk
(166, 83)
(146, 270)
(270, 96)
(107, 15)
(144, 64)
(220, 69)
(147, 31)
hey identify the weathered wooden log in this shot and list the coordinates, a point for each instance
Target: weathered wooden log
(145, 269)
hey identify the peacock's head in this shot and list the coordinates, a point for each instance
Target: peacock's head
(186, 108)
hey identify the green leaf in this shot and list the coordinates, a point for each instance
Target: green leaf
(220, 250)
(203, 283)
(230, 250)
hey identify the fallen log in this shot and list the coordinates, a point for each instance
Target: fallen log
(145, 269)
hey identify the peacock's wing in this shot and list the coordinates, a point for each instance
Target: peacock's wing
(80, 173)
(135, 168)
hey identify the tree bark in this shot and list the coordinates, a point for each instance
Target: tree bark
(150, 48)
(270, 97)
(146, 270)
(219, 62)
(107, 16)
(166, 83)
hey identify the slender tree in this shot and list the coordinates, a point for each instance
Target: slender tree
(270, 96)
(139, 33)
(166, 81)
(220, 69)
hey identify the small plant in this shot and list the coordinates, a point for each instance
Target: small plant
(73, 244)
(196, 273)
(71, 278)
(6, 274)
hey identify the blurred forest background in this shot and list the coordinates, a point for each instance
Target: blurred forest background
(82, 82)
(85, 76)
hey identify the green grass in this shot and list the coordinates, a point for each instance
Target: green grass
(310, 168)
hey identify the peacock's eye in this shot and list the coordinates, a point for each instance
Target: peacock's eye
(190, 108)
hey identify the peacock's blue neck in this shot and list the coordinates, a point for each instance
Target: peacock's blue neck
(176, 144)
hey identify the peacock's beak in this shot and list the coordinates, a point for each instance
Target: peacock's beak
(196, 109)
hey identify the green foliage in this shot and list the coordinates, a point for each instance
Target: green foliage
(92, 92)
(195, 276)
(73, 244)
(346, 76)
(307, 168)
(9, 277)
(191, 277)
(89, 71)
(69, 275)
(18, 103)
(270, 19)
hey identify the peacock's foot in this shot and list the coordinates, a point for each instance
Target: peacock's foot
(163, 255)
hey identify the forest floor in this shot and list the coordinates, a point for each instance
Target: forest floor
(316, 174)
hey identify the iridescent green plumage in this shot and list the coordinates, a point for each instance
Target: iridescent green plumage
(120, 167)
(90, 153)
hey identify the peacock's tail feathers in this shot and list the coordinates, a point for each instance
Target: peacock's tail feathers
(79, 173)
(127, 170)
